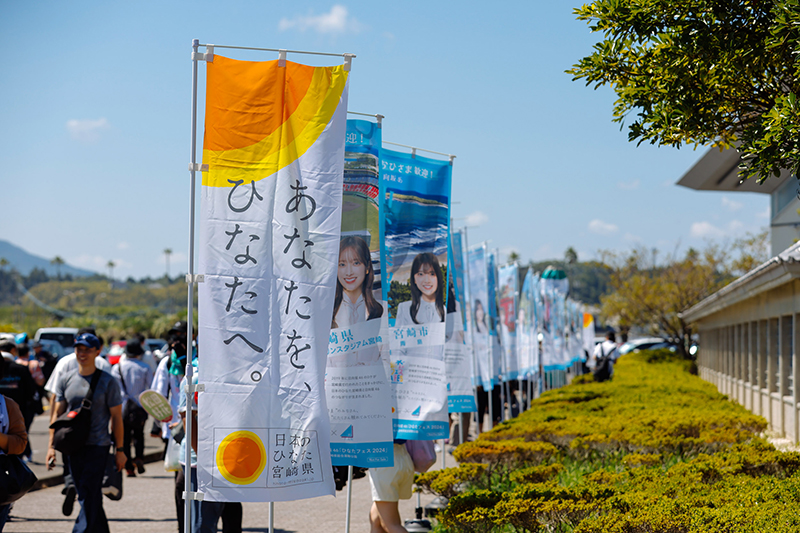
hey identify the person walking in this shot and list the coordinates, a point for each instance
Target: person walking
(88, 464)
(13, 438)
(134, 377)
(66, 365)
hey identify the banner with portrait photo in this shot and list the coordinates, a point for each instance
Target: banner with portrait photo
(273, 155)
(458, 354)
(507, 301)
(494, 319)
(415, 222)
(356, 385)
(479, 316)
(527, 330)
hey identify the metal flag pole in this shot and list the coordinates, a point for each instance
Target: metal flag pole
(475, 371)
(187, 495)
(271, 517)
(349, 498)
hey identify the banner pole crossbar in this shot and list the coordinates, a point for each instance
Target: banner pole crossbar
(279, 50)
(374, 115)
(451, 156)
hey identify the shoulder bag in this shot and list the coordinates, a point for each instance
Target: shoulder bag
(72, 428)
(132, 413)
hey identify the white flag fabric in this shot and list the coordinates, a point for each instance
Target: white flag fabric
(269, 243)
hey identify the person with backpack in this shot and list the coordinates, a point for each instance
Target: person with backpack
(604, 356)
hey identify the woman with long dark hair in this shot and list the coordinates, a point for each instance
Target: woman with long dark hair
(480, 318)
(354, 301)
(427, 293)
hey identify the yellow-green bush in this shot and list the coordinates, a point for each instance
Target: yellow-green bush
(655, 450)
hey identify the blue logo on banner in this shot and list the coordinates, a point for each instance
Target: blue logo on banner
(347, 433)
(417, 411)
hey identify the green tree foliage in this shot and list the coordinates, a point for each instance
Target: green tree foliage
(702, 72)
(652, 295)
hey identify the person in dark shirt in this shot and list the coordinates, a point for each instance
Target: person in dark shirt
(17, 382)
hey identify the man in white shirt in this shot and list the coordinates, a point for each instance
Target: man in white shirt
(606, 349)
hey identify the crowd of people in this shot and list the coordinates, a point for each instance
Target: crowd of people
(33, 381)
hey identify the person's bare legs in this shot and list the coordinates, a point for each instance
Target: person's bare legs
(384, 517)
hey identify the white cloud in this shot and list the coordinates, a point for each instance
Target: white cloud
(602, 228)
(336, 21)
(477, 218)
(735, 226)
(764, 213)
(86, 130)
(628, 185)
(123, 245)
(389, 36)
(630, 237)
(706, 230)
(731, 205)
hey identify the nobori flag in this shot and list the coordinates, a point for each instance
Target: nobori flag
(269, 243)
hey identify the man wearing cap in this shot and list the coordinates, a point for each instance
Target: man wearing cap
(133, 377)
(66, 365)
(87, 465)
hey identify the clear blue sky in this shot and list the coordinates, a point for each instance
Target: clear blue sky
(95, 124)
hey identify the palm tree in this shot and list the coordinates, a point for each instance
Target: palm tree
(57, 262)
(513, 257)
(111, 265)
(3, 263)
(167, 253)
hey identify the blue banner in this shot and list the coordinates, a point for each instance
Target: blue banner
(357, 389)
(458, 360)
(415, 229)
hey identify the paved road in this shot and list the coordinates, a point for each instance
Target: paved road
(148, 505)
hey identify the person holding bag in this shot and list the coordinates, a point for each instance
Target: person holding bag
(13, 438)
(134, 377)
(98, 392)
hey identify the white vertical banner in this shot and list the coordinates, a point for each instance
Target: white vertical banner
(269, 245)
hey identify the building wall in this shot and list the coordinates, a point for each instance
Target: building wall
(784, 217)
(749, 350)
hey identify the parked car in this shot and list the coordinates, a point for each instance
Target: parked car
(157, 346)
(116, 351)
(646, 343)
(64, 336)
(54, 347)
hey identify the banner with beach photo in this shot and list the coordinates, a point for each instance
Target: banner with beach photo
(356, 385)
(415, 222)
(458, 354)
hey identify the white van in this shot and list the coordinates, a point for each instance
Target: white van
(64, 336)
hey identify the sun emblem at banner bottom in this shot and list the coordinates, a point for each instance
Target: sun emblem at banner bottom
(241, 457)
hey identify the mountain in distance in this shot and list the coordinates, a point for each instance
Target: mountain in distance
(24, 262)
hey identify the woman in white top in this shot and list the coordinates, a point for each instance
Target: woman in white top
(354, 301)
(480, 318)
(427, 293)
